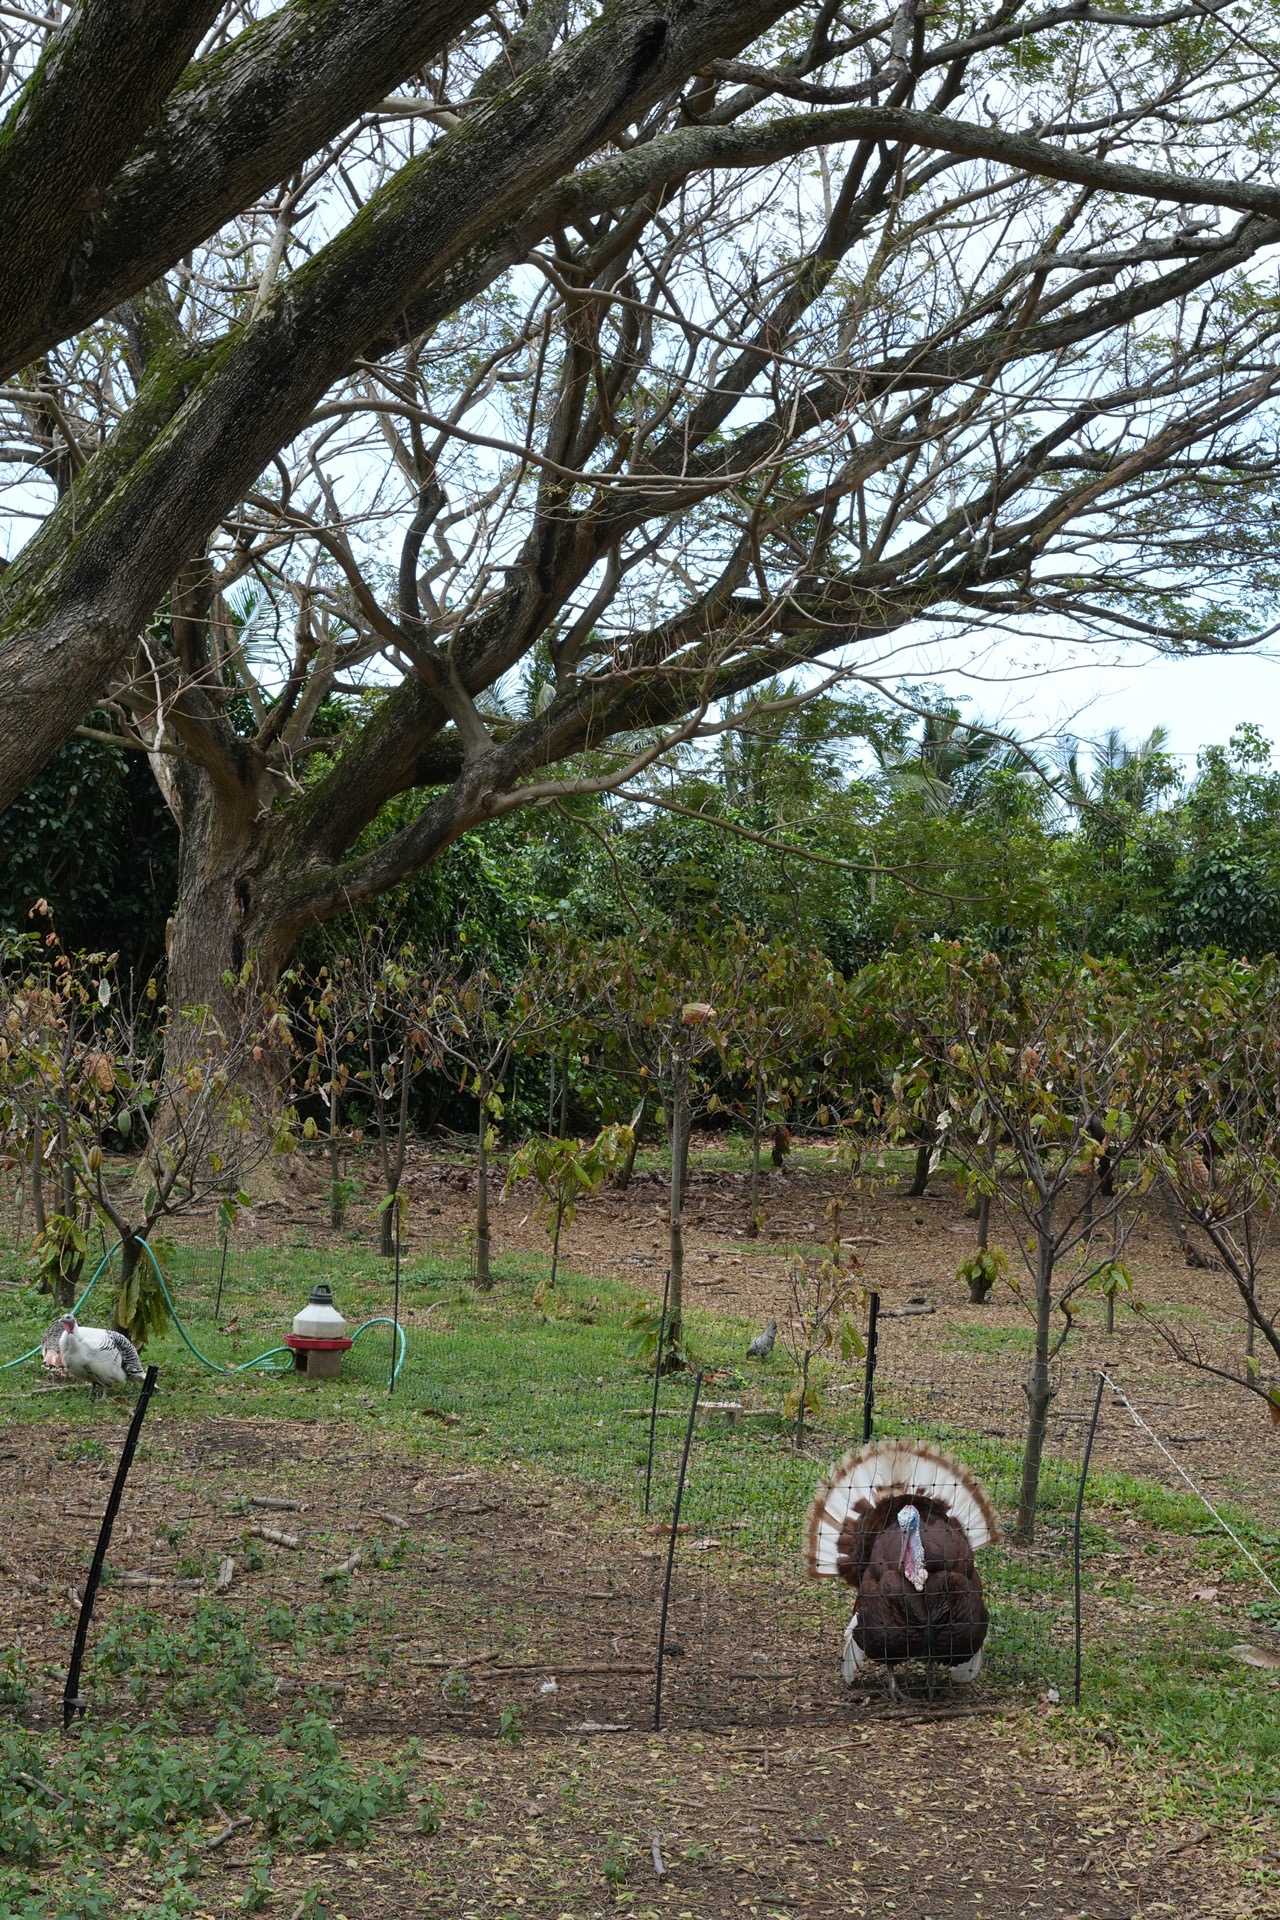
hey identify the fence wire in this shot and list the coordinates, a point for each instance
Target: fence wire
(474, 1551)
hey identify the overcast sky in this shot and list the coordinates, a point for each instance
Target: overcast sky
(1040, 689)
(1200, 701)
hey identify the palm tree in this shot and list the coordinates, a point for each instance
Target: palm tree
(1123, 778)
(932, 767)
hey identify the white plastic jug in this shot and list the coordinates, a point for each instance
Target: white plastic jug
(319, 1319)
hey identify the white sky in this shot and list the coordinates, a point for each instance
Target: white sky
(1200, 701)
(1039, 688)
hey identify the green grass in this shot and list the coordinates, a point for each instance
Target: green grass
(1182, 1700)
(978, 1336)
(1162, 1683)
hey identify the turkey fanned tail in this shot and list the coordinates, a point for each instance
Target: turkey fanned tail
(854, 1534)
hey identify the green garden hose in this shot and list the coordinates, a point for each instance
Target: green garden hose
(259, 1361)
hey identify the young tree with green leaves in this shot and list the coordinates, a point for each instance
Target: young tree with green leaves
(823, 1295)
(1219, 1149)
(1024, 1056)
(564, 1171)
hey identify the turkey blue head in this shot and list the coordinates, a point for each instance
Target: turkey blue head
(912, 1549)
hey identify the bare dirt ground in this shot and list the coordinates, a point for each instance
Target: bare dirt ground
(260, 1564)
(909, 1249)
(975, 1818)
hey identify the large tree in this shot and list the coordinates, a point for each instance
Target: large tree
(487, 464)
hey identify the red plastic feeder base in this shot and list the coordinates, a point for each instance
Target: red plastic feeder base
(318, 1359)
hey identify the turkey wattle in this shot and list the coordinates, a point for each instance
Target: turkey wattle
(901, 1521)
(102, 1357)
(51, 1347)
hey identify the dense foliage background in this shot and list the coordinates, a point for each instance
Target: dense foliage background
(840, 825)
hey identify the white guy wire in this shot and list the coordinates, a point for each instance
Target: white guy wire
(1139, 1421)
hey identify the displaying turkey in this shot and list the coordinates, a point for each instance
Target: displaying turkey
(901, 1522)
(102, 1357)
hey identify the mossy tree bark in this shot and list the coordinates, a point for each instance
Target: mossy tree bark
(208, 423)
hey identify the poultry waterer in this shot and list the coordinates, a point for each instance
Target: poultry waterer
(319, 1338)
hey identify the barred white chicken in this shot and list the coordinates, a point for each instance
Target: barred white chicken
(51, 1348)
(99, 1355)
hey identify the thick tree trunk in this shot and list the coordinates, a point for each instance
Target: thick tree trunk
(1039, 1387)
(85, 586)
(228, 940)
(226, 910)
(240, 121)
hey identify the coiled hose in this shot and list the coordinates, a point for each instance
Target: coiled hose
(263, 1362)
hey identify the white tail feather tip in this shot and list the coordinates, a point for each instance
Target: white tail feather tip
(889, 1469)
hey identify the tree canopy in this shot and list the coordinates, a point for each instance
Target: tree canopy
(464, 412)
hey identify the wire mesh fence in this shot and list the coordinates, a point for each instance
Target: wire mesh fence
(474, 1549)
(761, 1643)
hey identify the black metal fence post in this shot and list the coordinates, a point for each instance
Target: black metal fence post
(869, 1376)
(222, 1274)
(71, 1701)
(1075, 1549)
(671, 1555)
(657, 1376)
(395, 1311)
